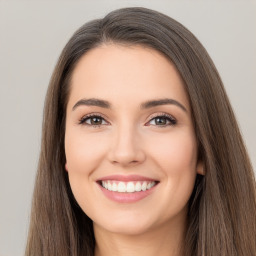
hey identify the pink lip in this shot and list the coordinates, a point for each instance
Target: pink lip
(125, 197)
(126, 178)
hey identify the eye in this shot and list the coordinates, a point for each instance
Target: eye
(93, 120)
(162, 120)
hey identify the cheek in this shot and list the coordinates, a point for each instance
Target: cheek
(83, 151)
(175, 153)
(176, 157)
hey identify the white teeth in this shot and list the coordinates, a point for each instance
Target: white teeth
(128, 187)
(144, 186)
(138, 186)
(151, 184)
(109, 186)
(114, 187)
(120, 187)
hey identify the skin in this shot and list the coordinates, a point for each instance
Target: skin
(131, 141)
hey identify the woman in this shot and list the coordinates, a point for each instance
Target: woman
(141, 153)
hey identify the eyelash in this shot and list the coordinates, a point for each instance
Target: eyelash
(172, 121)
(169, 119)
(90, 116)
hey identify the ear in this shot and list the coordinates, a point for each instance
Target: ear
(66, 167)
(200, 168)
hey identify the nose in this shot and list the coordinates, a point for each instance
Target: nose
(126, 148)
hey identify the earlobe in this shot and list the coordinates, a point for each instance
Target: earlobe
(200, 168)
(66, 167)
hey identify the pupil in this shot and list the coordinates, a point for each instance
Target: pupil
(161, 120)
(96, 120)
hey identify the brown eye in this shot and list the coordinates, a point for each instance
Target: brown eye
(162, 121)
(93, 120)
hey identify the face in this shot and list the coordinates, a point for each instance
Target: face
(131, 151)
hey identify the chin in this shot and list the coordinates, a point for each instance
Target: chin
(126, 226)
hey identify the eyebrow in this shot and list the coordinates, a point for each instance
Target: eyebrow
(92, 102)
(145, 105)
(154, 103)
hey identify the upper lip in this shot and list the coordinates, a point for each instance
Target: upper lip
(119, 177)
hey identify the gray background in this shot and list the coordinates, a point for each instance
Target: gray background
(32, 34)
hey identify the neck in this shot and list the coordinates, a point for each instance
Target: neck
(163, 241)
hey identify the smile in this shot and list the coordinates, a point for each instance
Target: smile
(127, 187)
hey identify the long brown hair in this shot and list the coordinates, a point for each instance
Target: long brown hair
(222, 207)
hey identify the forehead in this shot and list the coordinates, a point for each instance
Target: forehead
(126, 74)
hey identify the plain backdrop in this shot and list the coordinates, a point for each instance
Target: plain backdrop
(32, 35)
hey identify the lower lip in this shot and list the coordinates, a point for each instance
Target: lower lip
(126, 197)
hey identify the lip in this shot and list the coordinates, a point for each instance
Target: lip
(126, 197)
(119, 177)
